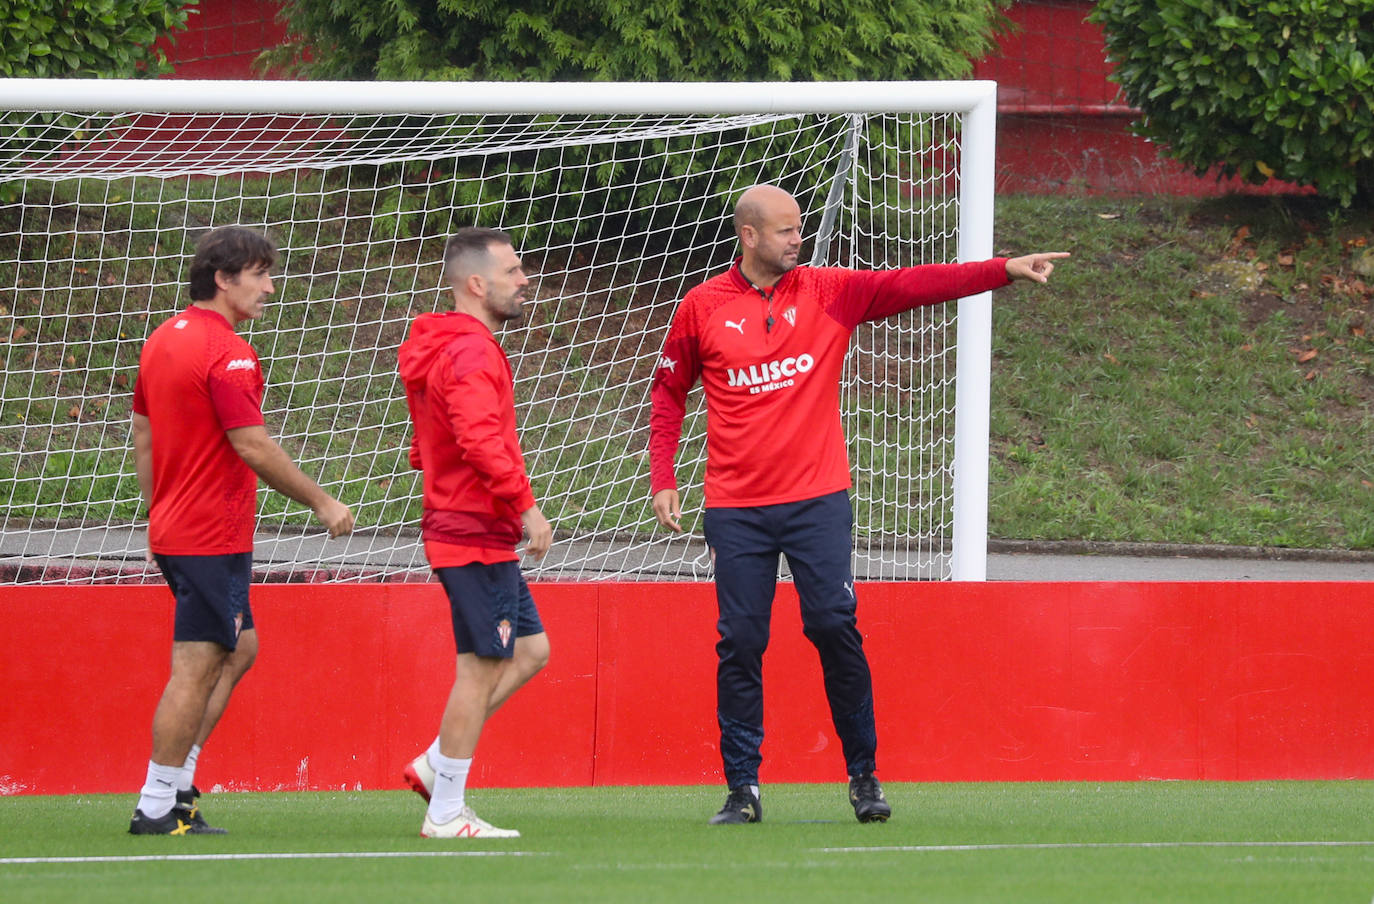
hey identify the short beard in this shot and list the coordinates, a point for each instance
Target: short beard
(508, 315)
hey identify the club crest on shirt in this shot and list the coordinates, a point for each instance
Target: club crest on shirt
(503, 631)
(790, 315)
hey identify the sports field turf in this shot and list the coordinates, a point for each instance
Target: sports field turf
(1060, 842)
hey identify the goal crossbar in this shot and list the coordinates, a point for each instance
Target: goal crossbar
(705, 98)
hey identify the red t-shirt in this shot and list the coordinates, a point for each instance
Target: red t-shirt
(197, 378)
(773, 431)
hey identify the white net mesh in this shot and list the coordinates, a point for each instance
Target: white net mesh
(617, 216)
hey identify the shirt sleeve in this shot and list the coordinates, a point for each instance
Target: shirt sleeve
(470, 387)
(236, 384)
(677, 371)
(875, 294)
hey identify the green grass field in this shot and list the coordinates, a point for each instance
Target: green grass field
(1061, 842)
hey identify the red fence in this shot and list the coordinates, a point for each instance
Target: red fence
(973, 681)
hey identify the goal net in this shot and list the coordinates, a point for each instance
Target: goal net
(619, 198)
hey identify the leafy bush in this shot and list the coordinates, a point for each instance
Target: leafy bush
(1279, 88)
(87, 38)
(636, 40)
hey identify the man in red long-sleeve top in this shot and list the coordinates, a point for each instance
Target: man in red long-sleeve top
(767, 339)
(477, 504)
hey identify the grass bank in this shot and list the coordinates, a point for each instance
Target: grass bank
(1200, 372)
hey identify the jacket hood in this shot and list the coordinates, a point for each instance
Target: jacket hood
(429, 335)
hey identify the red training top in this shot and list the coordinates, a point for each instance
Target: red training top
(461, 395)
(770, 363)
(198, 378)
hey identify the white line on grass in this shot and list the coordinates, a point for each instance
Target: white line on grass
(1085, 845)
(304, 855)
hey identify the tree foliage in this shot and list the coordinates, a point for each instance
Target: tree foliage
(87, 38)
(1262, 88)
(636, 40)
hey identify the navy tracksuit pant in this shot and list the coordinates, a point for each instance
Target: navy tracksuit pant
(816, 535)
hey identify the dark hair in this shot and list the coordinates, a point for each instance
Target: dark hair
(229, 249)
(469, 246)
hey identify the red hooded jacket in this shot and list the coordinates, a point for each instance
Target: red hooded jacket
(459, 388)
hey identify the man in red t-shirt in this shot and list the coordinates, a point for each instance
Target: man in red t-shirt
(199, 448)
(477, 504)
(767, 339)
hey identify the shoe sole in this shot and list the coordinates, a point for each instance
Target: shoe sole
(873, 815)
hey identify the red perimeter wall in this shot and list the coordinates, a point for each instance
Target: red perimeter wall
(995, 681)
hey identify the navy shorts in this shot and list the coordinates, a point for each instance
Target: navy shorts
(212, 596)
(491, 605)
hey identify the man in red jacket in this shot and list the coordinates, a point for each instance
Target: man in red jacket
(477, 504)
(768, 340)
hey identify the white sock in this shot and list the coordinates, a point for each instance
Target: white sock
(432, 753)
(159, 790)
(188, 769)
(755, 789)
(450, 782)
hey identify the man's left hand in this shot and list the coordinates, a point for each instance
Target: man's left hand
(1035, 267)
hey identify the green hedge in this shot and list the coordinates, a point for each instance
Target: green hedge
(1280, 88)
(87, 38)
(637, 40)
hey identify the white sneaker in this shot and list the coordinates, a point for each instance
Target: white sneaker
(419, 775)
(465, 825)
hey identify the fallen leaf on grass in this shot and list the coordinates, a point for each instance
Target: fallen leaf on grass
(1307, 356)
(1311, 375)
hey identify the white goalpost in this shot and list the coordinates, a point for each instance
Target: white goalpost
(619, 198)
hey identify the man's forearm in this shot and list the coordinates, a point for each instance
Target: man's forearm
(276, 469)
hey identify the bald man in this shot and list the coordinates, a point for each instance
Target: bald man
(768, 339)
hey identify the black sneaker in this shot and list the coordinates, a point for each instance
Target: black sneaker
(867, 797)
(174, 823)
(186, 808)
(740, 807)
